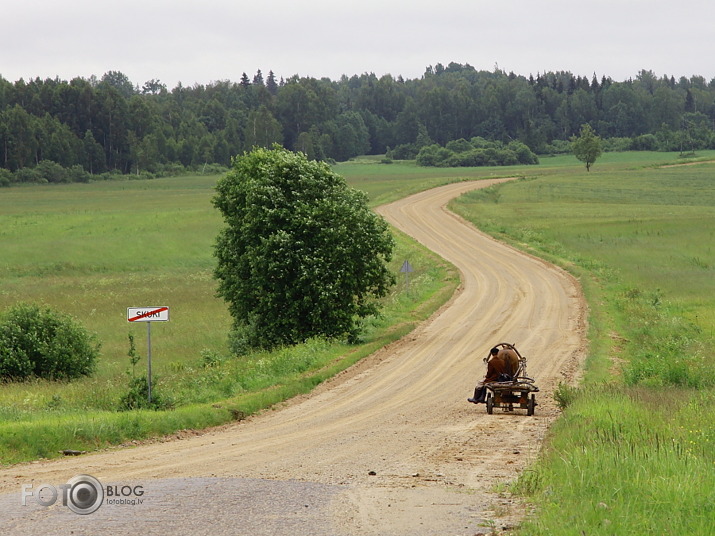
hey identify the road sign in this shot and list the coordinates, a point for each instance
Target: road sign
(406, 269)
(147, 314)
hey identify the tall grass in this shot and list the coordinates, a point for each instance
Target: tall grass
(628, 462)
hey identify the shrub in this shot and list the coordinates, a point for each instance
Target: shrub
(44, 343)
(173, 169)
(615, 145)
(137, 396)
(523, 154)
(459, 146)
(477, 152)
(29, 175)
(52, 171)
(564, 395)
(645, 142)
(113, 174)
(78, 174)
(558, 147)
(407, 151)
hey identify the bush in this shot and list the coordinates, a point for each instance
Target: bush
(29, 175)
(44, 343)
(645, 142)
(564, 395)
(523, 154)
(78, 174)
(52, 171)
(137, 397)
(618, 145)
(170, 170)
(459, 146)
(213, 169)
(558, 147)
(477, 152)
(407, 151)
(111, 175)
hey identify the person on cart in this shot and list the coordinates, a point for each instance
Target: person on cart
(502, 365)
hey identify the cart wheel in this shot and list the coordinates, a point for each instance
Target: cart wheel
(531, 405)
(490, 403)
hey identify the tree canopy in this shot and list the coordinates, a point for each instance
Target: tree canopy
(301, 254)
(109, 125)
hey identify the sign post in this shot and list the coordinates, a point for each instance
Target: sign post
(406, 269)
(148, 315)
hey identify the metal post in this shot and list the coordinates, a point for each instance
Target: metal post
(148, 339)
(406, 269)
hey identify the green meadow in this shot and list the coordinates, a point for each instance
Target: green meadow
(634, 451)
(92, 250)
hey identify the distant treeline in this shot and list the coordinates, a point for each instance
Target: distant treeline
(110, 125)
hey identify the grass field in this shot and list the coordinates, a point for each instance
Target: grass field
(92, 250)
(633, 452)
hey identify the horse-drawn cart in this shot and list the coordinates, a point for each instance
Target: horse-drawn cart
(517, 392)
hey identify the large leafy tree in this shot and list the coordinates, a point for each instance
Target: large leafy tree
(586, 146)
(301, 255)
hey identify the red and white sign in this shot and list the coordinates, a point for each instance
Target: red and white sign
(148, 314)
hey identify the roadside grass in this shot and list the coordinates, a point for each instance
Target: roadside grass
(633, 452)
(93, 250)
(627, 461)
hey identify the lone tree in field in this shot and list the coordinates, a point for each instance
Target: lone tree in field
(586, 146)
(301, 255)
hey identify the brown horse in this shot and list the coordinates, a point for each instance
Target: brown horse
(501, 361)
(511, 360)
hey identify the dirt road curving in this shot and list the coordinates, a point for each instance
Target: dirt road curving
(389, 447)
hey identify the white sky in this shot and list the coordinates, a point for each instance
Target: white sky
(195, 41)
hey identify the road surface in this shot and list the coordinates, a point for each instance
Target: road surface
(390, 447)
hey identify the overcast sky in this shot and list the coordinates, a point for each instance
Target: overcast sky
(201, 41)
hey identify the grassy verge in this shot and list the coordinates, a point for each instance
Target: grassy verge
(627, 460)
(633, 452)
(93, 250)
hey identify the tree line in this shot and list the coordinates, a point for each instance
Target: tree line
(110, 125)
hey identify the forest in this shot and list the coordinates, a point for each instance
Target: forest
(54, 130)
